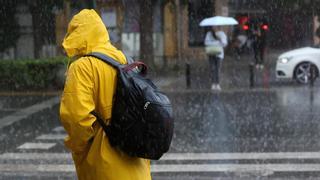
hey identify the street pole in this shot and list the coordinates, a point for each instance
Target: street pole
(179, 38)
(67, 11)
(251, 74)
(188, 75)
(312, 74)
(179, 42)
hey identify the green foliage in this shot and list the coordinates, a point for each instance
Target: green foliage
(39, 74)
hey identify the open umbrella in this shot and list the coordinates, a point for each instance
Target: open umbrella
(218, 21)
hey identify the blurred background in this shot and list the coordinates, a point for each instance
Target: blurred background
(159, 32)
(262, 124)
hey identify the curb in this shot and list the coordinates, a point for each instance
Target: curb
(31, 93)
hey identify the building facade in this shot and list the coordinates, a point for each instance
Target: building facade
(177, 35)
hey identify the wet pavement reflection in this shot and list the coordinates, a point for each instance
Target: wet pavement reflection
(285, 119)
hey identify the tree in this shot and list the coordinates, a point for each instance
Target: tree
(9, 28)
(146, 30)
(81, 4)
(43, 22)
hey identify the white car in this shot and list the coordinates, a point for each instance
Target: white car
(298, 64)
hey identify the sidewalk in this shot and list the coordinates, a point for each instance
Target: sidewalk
(235, 74)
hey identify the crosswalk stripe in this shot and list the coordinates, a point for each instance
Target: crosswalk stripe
(180, 156)
(36, 145)
(268, 168)
(242, 156)
(59, 129)
(36, 168)
(51, 137)
(235, 168)
(36, 156)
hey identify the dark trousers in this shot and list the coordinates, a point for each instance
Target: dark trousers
(215, 63)
(259, 49)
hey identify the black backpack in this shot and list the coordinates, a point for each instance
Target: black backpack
(141, 123)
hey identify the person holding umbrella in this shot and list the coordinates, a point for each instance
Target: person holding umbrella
(215, 42)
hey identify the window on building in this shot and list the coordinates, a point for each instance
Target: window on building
(198, 10)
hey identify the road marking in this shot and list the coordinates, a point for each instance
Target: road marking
(175, 156)
(270, 168)
(30, 93)
(264, 169)
(51, 137)
(36, 156)
(243, 156)
(59, 129)
(36, 145)
(24, 113)
(226, 168)
(10, 109)
(36, 168)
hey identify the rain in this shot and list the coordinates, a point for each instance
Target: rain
(244, 95)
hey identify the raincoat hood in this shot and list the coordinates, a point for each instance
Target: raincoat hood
(87, 33)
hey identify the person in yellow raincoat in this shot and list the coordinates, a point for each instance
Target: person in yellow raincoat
(90, 86)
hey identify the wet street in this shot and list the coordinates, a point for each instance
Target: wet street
(271, 131)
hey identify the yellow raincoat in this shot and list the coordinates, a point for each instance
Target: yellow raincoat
(89, 86)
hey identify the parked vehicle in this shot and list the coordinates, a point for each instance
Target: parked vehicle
(299, 64)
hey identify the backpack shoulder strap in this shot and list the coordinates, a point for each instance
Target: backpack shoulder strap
(129, 59)
(105, 59)
(100, 121)
(130, 62)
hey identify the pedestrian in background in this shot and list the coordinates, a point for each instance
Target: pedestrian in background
(215, 41)
(239, 41)
(90, 86)
(317, 33)
(258, 30)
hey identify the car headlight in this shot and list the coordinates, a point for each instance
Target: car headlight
(284, 60)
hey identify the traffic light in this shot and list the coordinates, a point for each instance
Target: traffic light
(265, 27)
(243, 22)
(243, 19)
(245, 27)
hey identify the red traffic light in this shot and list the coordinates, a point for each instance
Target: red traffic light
(265, 27)
(245, 27)
(243, 19)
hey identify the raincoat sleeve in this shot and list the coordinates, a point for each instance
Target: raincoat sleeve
(76, 104)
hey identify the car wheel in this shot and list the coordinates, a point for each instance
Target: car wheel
(303, 72)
